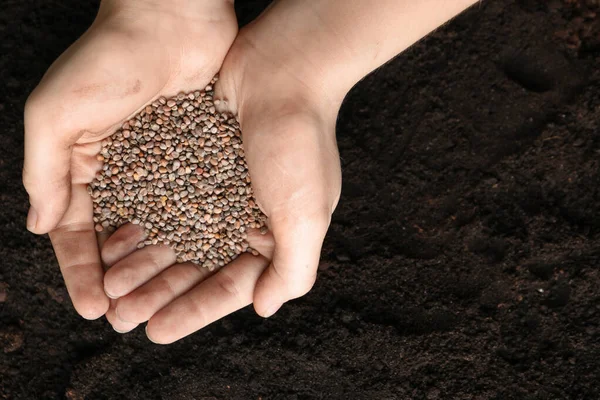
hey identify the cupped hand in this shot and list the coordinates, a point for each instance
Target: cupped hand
(180, 298)
(288, 126)
(134, 51)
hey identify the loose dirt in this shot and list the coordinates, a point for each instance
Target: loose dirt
(461, 263)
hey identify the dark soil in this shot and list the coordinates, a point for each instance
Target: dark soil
(462, 262)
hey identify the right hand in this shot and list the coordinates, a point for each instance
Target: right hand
(134, 52)
(287, 115)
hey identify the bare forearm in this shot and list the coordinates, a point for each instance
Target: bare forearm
(180, 9)
(341, 41)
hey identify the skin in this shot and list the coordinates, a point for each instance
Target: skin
(285, 77)
(133, 52)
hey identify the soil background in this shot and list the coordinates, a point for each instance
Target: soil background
(462, 262)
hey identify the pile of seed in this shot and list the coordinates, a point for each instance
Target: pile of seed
(177, 168)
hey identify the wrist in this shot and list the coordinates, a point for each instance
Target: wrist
(296, 35)
(180, 9)
(333, 44)
(289, 39)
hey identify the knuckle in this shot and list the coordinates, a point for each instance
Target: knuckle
(120, 280)
(36, 183)
(40, 107)
(33, 104)
(300, 287)
(28, 182)
(168, 287)
(195, 309)
(227, 285)
(153, 259)
(296, 284)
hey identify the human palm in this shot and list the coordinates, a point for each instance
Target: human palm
(127, 58)
(288, 129)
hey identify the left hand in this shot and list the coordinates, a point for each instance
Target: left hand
(134, 52)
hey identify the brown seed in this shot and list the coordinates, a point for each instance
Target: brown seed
(178, 169)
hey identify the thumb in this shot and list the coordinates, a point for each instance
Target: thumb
(46, 175)
(293, 271)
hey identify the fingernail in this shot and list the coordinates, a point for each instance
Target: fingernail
(32, 217)
(118, 331)
(272, 310)
(110, 296)
(148, 336)
(119, 317)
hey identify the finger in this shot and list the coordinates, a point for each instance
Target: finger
(118, 324)
(293, 270)
(295, 173)
(136, 269)
(46, 168)
(228, 290)
(76, 249)
(263, 243)
(141, 304)
(101, 238)
(122, 243)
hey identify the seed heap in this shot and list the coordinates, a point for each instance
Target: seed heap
(177, 168)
